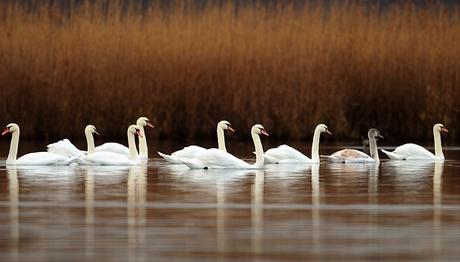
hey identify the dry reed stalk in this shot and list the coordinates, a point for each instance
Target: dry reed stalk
(350, 67)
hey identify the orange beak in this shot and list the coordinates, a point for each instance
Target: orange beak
(150, 125)
(138, 133)
(231, 129)
(263, 132)
(5, 131)
(443, 129)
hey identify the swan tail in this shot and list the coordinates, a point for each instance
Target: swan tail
(393, 155)
(192, 164)
(170, 159)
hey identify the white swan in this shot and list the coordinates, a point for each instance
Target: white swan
(285, 154)
(66, 148)
(122, 149)
(191, 151)
(215, 158)
(355, 156)
(415, 152)
(106, 158)
(143, 149)
(32, 159)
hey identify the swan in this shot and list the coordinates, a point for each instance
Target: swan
(415, 152)
(32, 159)
(190, 151)
(122, 149)
(214, 158)
(355, 156)
(106, 158)
(66, 148)
(143, 149)
(285, 154)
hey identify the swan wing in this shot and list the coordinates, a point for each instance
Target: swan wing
(350, 155)
(410, 152)
(286, 154)
(113, 147)
(215, 158)
(188, 152)
(105, 159)
(64, 147)
(44, 159)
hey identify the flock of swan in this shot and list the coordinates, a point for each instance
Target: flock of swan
(64, 152)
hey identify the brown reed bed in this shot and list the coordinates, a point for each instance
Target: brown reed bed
(351, 67)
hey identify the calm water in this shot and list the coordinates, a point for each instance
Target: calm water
(395, 211)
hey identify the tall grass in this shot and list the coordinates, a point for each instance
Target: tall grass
(349, 66)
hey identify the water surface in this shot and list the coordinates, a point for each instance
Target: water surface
(395, 211)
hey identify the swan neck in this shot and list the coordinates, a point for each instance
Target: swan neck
(221, 139)
(259, 150)
(89, 142)
(143, 149)
(132, 146)
(373, 148)
(315, 146)
(13, 153)
(437, 144)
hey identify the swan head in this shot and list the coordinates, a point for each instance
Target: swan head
(259, 130)
(440, 128)
(374, 133)
(144, 121)
(90, 129)
(10, 128)
(134, 129)
(323, 129)
(225, 125)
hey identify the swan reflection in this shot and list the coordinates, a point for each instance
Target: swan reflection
(137, 195)
(13, 189)
(257, 212)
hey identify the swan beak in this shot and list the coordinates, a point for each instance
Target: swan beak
(150, 125)
(138, 133)
(443, 129)
(97, 133)
(231, 129)
(379, 135)
(5, 131)
(329, 132)
(263, 132)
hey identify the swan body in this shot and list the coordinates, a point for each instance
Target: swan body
(112, 158)
(124, 150)
(32, 159)
(415, 152)
(106, 159)
(190, 152)
(355, 156)
(113, 148)
(66, 148)
(219, 159)
(285, 154)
